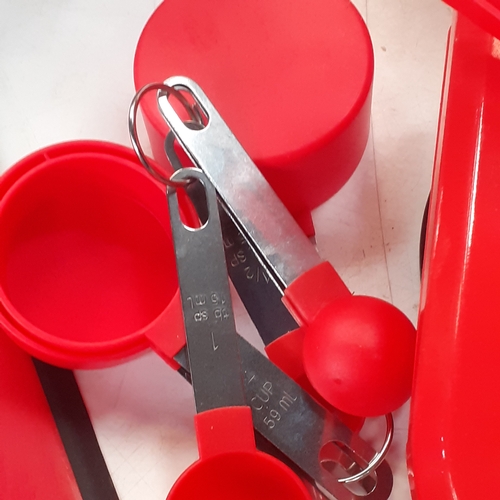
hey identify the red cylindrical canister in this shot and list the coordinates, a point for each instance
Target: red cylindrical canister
(291, 79)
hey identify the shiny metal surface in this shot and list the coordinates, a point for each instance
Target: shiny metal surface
(378, 457)
(278, 240)
(206, 303)
(317, 443)
(260, 297)
(257, 291)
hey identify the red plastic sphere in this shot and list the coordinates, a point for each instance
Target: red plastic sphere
(359, 354)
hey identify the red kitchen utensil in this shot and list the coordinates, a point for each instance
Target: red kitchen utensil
(229, 465)
(455, 411)
(86, 261)
(60, 207)
(358, 351)
(256, 58)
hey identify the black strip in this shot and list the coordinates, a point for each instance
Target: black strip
(423, 234)
(76, 431)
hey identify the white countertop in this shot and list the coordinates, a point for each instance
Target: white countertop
(66, 73)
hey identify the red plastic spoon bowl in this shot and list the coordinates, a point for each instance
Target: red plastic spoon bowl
(234, 469)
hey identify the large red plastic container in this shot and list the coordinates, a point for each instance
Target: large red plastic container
(291, 79)
(455, 412)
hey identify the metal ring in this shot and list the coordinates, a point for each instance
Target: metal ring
(194, 115)
(377, 458)
(187, 172)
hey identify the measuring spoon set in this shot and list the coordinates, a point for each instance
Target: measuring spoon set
(253, 216)
(92, 198)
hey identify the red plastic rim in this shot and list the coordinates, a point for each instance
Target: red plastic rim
(86, 261)
(241, 475)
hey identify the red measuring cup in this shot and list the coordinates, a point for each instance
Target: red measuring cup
(229, 465)
(86, 260)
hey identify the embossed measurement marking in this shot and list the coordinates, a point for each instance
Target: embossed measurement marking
(271, 405)
(208, 305)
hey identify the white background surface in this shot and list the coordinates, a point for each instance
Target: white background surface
(66, 73)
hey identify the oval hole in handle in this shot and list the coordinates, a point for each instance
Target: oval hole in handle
(336, 454)
(203, 208)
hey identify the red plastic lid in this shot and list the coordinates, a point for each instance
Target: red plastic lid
(291, 79)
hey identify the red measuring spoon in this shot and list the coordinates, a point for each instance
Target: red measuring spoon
(229, 465)
(358, 351)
